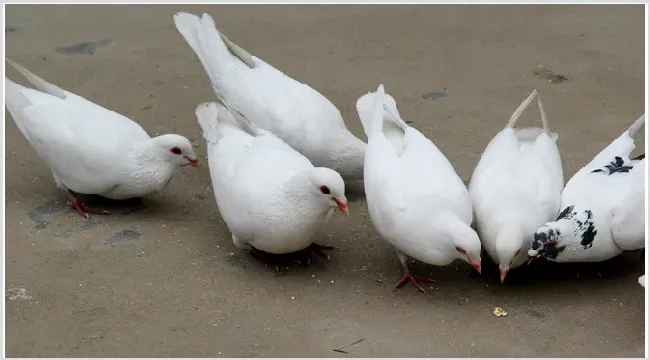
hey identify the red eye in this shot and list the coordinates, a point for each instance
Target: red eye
(325, 190)
(176, 150)
(460, 250)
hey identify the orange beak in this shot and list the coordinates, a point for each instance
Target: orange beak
(194, 163)
(477, 266)
(342, 206)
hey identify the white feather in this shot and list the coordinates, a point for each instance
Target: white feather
(516, 187)
(273, 101)
(416, 201)
(267, 193)
(89, 149)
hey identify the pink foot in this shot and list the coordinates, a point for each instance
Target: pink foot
(83, 210)
(413, 279)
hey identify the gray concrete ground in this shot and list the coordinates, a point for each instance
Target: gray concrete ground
(166, 281)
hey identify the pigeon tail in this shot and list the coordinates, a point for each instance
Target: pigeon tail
(38, 82)
(377, 114)
(214, 50)
(637, 127)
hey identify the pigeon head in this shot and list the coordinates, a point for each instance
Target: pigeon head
(509, 242)
(574, 228)
(328, 186)
(176, 150)
(467, 244)
(547, 240)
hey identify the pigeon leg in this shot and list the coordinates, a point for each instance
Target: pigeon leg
(83, 210)
(408, 276)
(318, 250)
(268, 259)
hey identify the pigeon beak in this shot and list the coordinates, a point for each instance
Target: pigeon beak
(193, 162)
(477, 266)
(504, 272)
(342, 206)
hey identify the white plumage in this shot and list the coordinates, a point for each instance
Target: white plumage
(416, 201)
(294, 112)
(270, 196)
(89, 149)
(602, 207)
(515, 188)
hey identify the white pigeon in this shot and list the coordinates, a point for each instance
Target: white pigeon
(515, 188)
(603, 207)
(416, 201)
(271, 100)
(270, 196)
(90, 149)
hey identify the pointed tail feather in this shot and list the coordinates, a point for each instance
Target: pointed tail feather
(241, 120)
(213, 49)
(240, 53)
(637, 127)
(38, 82)
(365, 106)
(542, 113)
(377, 114)
(522, 107)
(209, 115)
(397, 120)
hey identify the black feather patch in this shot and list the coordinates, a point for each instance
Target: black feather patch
(588, 230)
(546, 241)
(616, 166)
(567, 213)
(553, 252)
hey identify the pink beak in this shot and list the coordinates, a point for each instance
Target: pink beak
(193, 162)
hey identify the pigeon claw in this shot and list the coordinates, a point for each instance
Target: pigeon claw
(415, 280)
(83, 210)
(318, 250)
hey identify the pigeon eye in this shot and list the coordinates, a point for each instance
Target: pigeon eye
(461, 250)
(325, 190)
(176, 150)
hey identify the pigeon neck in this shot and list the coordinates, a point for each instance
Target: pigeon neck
(348, 155)
(509, 240)
(149, 165)
(300, 191)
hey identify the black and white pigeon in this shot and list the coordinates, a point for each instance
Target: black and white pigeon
(602, 207)
(90, 149)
